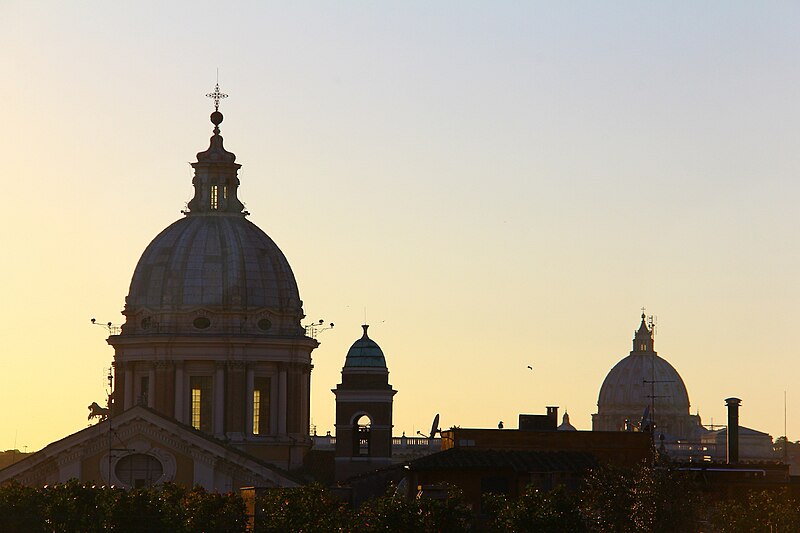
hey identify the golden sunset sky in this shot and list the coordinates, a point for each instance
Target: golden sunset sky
(498, 184)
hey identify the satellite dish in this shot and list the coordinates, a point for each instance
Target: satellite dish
(435, 426)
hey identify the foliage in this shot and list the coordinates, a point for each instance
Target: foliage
(220, 513)
(556, 511)
(644, 498)
(392, 512)
(451, 514)
(145, 510)
(309, 509)
(398, 514)
(607, 499)
(21, 508)
(758, 511)
(73, 506)
(641, 499)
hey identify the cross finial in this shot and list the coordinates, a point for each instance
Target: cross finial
(216, 96)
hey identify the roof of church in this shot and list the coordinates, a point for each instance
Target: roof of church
(179, 434)
(743, 432)
(211, 262)
(365, 352)
(214, 258)
(516, 460)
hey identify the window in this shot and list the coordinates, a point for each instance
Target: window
(201, 322)
(139, 470)
(144, 388)
(362, 432)
(214, 196)
(201, 402)
(261, 393)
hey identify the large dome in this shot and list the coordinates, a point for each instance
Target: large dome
(631, 384)
(214, 262)
(643, 379)
(644, 389)
(213, 272)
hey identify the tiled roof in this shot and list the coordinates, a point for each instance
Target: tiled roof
(519, 461)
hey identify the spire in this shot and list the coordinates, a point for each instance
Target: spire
(215, 173)
(643, 339)
(365, 326)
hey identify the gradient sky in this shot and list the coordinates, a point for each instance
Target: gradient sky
(497, 184)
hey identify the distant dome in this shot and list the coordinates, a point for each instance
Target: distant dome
(215, 262)
(365, 352)
(644, 385)
(628, 387)
(565, 425)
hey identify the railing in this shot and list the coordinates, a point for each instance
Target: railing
(328, 442)
(412, 441)
(692, 451)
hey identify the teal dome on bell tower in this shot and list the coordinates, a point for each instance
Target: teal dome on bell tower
(365, 352)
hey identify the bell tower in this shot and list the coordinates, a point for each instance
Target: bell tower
(363, 411)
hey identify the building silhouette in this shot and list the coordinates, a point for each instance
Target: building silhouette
(212, 365)
(363, 411)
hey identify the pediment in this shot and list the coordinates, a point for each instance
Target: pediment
(109, 451)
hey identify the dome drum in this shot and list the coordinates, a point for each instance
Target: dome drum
(209, 322)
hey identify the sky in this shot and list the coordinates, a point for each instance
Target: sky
(491, 185)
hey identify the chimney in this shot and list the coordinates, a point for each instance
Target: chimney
(733, 429)
(552, 414)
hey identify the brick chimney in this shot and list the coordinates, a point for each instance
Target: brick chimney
(733, 429)
(552, 414)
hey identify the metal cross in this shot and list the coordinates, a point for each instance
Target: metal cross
(216, 96)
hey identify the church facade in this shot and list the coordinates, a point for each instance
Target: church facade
(212, 365)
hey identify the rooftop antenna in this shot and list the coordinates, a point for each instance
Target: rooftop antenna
(434, 429)
(110, 383)
(113, 329)
(95, 411)
(651, 324)
(785, 436)
(315, 328)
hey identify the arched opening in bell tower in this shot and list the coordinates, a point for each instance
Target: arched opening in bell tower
(362, 433)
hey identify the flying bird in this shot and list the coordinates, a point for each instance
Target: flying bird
(529, 366)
